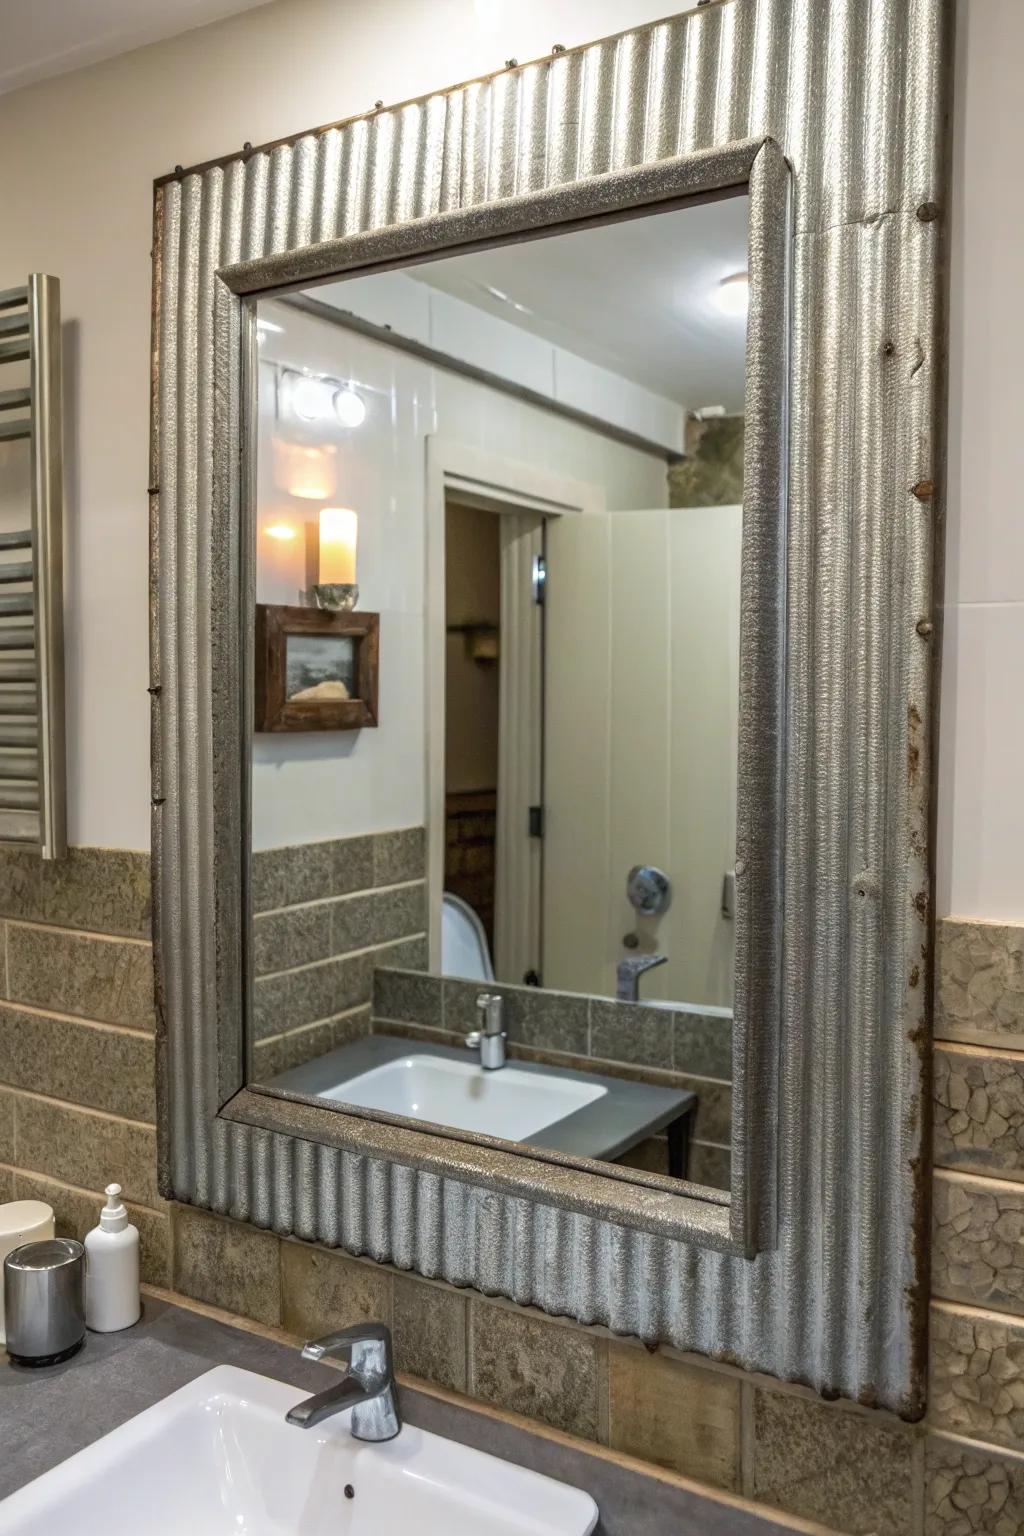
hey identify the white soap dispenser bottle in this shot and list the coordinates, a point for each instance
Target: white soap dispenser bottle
(112, 1269)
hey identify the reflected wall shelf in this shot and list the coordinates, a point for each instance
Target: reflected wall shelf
(32, 753)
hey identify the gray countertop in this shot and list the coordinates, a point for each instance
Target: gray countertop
(626, 1114)
(47, 1415)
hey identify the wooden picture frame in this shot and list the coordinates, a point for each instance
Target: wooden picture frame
(309, 632)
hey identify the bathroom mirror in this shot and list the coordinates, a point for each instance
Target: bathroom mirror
(523, 466)
(803, 1254)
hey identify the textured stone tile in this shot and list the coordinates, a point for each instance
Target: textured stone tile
(82, 1063)
(6, 1185)
(281, 877)
(20, 883)
(75, 1212)
(977, 1375)
(649, 1156)
(714, 1107)
(292, 937)
(97, 978)
(676, 1415)
(542, 1369)
(411, 996)
(226, 1264)
(631, 1032)
(702, 1045)
(406, 955)
(971, 1493)
(980, 980)
(979, 1110)
(6, 1127)
(978, 1241)
(553, 1021)
(378, 917)
(852, 1472)
(400, 856)
(429, 1327)
(281, 1052)
(309, 995)
(104, 889)
(85, 1148)
(323, 1289)
(710, 1165)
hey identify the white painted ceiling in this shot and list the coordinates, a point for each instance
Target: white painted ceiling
(39, 38)
(638, 297)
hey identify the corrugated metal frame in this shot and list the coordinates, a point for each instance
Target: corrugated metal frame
(856, 96)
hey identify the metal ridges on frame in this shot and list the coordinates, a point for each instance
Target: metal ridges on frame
(32, 762)
(855, 96)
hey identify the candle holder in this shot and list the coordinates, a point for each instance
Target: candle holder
(336, 596)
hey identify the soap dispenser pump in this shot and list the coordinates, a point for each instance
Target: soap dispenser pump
(112, 1269)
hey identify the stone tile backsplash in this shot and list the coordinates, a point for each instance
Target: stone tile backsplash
(980, 982)
(325, 914)
(76, 1109)
(979, 1110)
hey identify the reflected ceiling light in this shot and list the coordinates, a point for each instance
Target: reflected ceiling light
(281, 531)
(505, 298)
(349, 407)
(311, 399)
(733, 294)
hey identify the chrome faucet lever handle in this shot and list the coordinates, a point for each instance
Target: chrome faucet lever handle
(367, 1388)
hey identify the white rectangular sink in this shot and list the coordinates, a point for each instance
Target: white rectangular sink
(506, 1102)
(216, 1457)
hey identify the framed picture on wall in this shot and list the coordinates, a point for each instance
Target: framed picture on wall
(315, 670)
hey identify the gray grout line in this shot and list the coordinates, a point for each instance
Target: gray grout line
(339, 897)
(345, 954)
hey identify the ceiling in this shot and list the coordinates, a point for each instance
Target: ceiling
(49, 37)
(639, 297)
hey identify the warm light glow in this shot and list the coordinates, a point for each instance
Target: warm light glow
(733, 294)
(349, 407)
(309, 473)
(339, 531)
(282, 531)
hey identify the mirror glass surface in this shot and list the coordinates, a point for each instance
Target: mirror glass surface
(495, 671)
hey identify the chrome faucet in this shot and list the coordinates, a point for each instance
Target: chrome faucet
(628, 973)
(490, 1038)
(367, 1387)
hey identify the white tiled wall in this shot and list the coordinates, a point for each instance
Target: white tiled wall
(981, 758)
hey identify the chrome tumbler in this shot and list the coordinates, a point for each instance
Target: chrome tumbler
(44, 1298)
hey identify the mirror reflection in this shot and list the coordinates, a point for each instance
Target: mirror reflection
(495, 666)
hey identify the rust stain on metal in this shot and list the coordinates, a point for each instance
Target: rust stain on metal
(915, 976)
(921, 905)
(924, 490)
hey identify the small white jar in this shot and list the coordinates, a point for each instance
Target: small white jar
(112, 1297)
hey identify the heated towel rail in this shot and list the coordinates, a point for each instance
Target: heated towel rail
(32, 752)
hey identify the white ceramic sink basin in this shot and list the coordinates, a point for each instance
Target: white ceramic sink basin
(506, 1102)
(217, 1457)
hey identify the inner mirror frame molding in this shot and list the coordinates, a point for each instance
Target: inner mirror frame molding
(814, 1267)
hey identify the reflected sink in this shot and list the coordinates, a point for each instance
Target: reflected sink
(217, 1457)
(506, 1102)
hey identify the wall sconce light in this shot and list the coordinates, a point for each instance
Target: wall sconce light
(313, 400)
(349, 407)
(335, 587)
